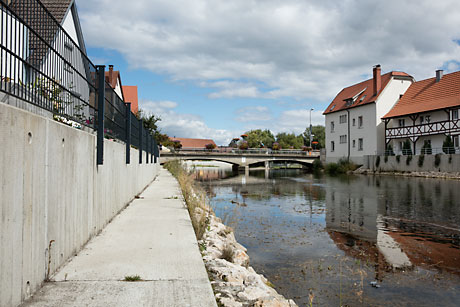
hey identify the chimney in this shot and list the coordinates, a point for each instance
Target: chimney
(377, 79)
(110, 73)
(439, 74)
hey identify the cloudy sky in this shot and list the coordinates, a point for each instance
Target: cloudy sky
(215, 69)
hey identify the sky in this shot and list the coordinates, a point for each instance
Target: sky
(216, 69)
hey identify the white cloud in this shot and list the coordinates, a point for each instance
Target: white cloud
(253, 114)
(298, 120)
(184, 125)
(272, 49)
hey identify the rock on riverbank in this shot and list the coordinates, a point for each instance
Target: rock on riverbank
(235, 283)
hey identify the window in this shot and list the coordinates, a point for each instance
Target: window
(343, 119)
(343, 139)
(354, 143)
(332, 146)
(455, 114)
(332, 108)
(456, 143)
(332, 127)
(360, 144)
(427, 119)
(360, 122)
(354, 121)
(402, 122)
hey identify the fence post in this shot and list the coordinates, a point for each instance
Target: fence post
(140, 140)
(152, 143)
(147, 148)
(100, 113)
(128, 132)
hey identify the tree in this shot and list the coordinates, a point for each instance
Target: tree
(149, 121)
(407, 150)
(289, 140)
(319, 135)
(258, 138)
(448, 145)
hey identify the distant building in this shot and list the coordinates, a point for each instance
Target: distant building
(193, 143)
(426, 114)
(113, 78)
(130, 94)
(353, 119)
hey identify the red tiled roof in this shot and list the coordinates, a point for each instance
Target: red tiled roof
(364, 90)
(429, 95)
(193, 143)
(130, 94)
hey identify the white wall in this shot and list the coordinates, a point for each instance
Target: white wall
(52, 191)
(13, 38)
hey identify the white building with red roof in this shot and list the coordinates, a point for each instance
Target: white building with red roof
(354, 127)
(426, 114)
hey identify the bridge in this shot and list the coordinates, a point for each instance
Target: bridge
(244, 159)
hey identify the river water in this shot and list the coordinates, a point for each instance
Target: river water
(345, 241)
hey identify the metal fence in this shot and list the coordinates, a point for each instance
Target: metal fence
(41, 64)
(421, 151)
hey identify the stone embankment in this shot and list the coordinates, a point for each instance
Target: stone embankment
(235, 283)
(440, 175)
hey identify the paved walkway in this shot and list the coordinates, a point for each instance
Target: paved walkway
(153, 238)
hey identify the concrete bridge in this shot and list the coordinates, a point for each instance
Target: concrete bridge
(244, 159)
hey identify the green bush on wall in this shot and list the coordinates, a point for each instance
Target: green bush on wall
(408, 159)
(437, 160)
(421, 159)
(398, 158)
(377, 161)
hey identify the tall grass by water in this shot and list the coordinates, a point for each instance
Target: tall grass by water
(194, 197)
(343, 166)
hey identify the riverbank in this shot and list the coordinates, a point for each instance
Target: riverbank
(432, 174)
(234, 282)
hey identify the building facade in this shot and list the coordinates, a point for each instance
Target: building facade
(426, 114)
(353, 119)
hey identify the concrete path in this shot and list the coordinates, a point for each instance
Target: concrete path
(153, 238)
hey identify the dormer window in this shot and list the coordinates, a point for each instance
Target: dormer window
(332, 108)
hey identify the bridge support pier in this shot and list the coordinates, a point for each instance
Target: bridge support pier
(267, 169)
(246, 170)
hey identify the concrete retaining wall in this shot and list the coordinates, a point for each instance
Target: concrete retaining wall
(448, 164)
(53, 196)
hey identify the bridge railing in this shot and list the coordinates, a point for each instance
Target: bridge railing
(259, 151)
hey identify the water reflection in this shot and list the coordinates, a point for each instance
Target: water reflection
(332, 236)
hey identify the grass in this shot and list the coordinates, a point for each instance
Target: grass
(194, 197)
(227, 253)
(132, 278)
(341, 167)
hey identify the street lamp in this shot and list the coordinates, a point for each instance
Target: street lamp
(310, 125)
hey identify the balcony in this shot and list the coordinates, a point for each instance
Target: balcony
(414, 132)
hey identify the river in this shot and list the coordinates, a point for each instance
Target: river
(345, 241)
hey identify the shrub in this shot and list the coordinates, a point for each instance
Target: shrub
(341, 167)
(437, 160)
(407, 150)
(448, 146)
(244, 145)
(317, 165)
(177, 145)
(426, 149)
(385, 159)
(210, 146)
(398, 158)
(377, 161)
(421, 159)
(408, 159)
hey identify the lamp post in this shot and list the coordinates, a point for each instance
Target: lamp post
(310, 126)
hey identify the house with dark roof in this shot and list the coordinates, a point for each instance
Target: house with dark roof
(425, 115)
(354, 127)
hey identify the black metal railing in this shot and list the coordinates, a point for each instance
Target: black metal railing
(40, 63)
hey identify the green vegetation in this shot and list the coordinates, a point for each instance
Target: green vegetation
(290, 140)
(437, 160)
(132, 278)
(260, 138)
(317, 165)
(408, 159)
(341, 167)
(398, 158)
(150, 123)
(426, 149)
(194, 197)
(407, 150)
(385, 158)
(319, 135)
(448, 146)
(421, 159)
(377, 161)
